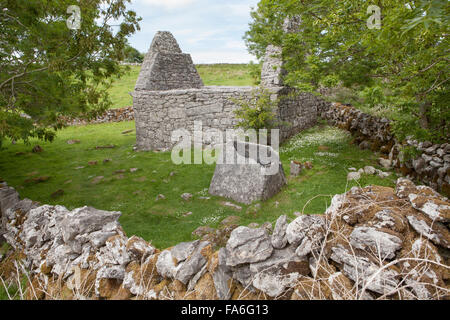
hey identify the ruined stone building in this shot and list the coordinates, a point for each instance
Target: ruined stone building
(170, 95)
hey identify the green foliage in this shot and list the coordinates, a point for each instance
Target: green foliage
(330, 81)
(407, 59)
(255, 72)
(258, 112)
(373, 96)
(48, 70)
(132, 55)
(409, 153)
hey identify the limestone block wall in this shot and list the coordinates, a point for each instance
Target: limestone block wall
(299, 110)
(159, 113)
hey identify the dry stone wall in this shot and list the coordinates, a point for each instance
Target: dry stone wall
(372, 243)
(112, 115)
(431, 166)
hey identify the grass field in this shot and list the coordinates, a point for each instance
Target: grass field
(212, 75)
(135, 193)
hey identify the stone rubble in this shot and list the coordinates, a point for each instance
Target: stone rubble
(371, 243)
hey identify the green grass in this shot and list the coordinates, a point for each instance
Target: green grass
(134, 194)
(225, 74)
(121, 88)
(212, 75)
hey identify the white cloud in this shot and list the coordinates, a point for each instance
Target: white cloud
(235, 44)
(240, 9)
(168, 4)
(202, 36)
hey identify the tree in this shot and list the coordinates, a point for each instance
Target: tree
(132, 55)
(408, 58)
(51, 66)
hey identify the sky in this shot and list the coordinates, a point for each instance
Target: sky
(210, 30)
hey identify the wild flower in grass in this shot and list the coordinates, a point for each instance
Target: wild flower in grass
(217, 216)
(327, 135)
(203, 193)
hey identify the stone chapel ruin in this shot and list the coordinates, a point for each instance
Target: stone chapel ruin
(170, 95)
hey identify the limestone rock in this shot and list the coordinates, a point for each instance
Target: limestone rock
(369, 170)
(222, 276)
(311, 226)
(138, 249)
(353, 176)
(372, 240)
(205, 289)
(183, 250)
(434, 231)
(194, 263)
(201, 231)
(405, 187)
(279, 237)
(431, 204)
(278, 273)
(193, 282)
(230, 220)
(247, 246)
(86, 220)
(255, 179)
(231, 205)
(273, 282)
(186, 196)
(365, 272)
(422, 267)
(166, 266)
(385, 163)
(8, 197)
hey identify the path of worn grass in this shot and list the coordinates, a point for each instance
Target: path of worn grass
(134, 194)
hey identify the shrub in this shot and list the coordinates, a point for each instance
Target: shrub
(258, 112)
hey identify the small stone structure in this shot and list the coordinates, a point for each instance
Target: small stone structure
(169, 95)
(248, 179)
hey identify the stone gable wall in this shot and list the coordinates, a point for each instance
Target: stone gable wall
(166, 67)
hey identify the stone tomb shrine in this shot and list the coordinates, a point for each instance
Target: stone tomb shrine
(251, 175)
